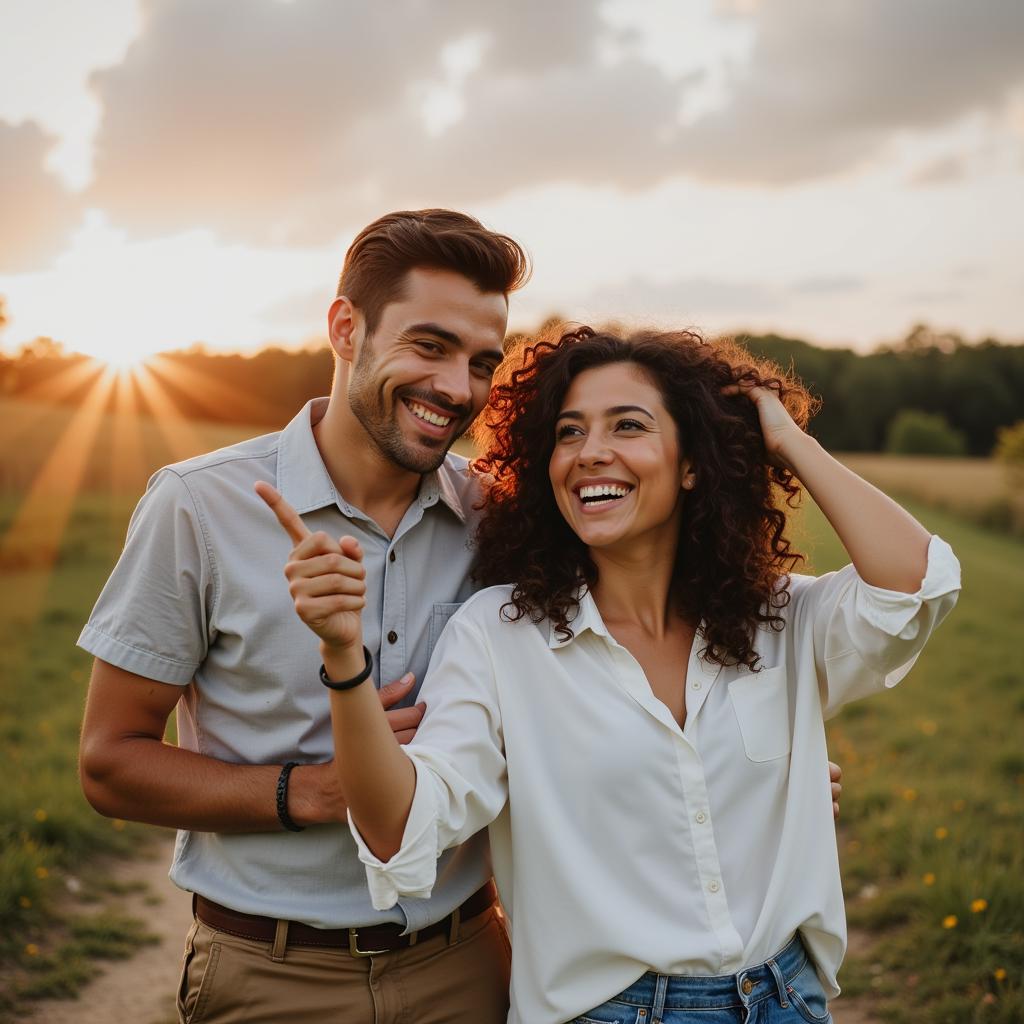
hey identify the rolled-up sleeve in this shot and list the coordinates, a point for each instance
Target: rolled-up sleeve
(459, 757)
(152, 617)
(865, 638)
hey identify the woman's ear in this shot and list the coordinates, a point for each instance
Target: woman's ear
(689, 476)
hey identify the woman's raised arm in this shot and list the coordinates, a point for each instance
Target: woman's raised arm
(326, 579)
(887, 545)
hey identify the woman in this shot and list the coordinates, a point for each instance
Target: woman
(639, 717)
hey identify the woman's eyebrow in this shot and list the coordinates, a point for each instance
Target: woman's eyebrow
(615, 410)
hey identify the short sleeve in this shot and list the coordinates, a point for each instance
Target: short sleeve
(865, 638)
(459, 756)
(152, 615)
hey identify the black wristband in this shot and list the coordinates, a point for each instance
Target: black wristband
(349, 684)
(282, 799)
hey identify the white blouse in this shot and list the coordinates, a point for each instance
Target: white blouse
(622, 843)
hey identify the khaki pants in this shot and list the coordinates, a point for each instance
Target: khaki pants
(228, 980)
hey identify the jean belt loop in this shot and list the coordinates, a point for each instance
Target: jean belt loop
(660, 994)
(280, 943)
(780, 982)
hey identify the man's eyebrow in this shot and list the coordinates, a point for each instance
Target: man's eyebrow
(437, 331)
(615, 410)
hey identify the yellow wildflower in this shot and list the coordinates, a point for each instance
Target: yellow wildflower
(959, 805)
(32, 949)
(910, 795)
(950, 921)
(999, 974)
(40, 814)
(941, 832)
(928, 878)
(42, 872)
(977, 906)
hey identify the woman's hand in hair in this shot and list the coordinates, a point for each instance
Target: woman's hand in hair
(778, 428)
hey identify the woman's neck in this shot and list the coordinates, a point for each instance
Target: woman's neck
(634, 584)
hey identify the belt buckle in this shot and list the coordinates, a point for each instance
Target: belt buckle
(353, 945)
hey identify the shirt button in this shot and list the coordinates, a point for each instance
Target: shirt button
(392, 637)
(747, 986)
(701, 817)
(392, 557)
(696, 684)
(712, 886)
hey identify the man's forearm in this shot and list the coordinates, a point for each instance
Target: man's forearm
(143, 779)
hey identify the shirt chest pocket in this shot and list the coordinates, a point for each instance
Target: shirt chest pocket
(761, 703)
(438, 620)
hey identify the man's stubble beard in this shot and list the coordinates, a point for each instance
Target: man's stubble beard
(367, 403)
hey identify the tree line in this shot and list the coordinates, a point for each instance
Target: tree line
(976, 388)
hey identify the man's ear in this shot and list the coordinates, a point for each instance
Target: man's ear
(341, 324)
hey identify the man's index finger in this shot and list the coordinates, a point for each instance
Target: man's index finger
(286, 515)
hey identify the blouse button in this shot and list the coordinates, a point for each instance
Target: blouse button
(701, 817)
(392, 637)
(392, 557)
(713, 886)
(696, 684)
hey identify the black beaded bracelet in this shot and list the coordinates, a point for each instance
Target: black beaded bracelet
(349, 684)
(282, 799)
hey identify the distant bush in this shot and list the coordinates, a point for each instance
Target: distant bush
(914, 432)
(1009, 448)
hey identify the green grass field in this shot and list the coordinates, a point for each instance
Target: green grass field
(932, 811)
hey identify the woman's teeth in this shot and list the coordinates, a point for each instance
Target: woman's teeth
(601, 494)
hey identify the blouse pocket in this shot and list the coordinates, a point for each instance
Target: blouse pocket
(761, 703)
(439, 617)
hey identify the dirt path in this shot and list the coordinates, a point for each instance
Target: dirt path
(140, 990)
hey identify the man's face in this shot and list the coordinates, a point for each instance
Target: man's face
(425, 373)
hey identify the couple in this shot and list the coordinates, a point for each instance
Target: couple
(195, 617)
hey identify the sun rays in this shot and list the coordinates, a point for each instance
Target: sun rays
(121, 428)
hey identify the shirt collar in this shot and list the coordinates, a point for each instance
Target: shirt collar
(587, 617)
(440, 484)
(304, 482)
(302, 477)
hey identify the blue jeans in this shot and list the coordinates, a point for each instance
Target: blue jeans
(784, 990)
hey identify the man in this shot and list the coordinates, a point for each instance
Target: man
(194, 618)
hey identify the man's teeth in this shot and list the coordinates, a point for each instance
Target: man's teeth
(600, 494)
(423, 413)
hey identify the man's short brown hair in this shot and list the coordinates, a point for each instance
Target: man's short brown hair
(385, 251)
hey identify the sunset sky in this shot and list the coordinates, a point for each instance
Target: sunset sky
(179, 171)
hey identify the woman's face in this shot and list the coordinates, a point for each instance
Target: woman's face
(617, 469)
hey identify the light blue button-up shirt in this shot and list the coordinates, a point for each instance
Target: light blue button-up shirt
(198, 598)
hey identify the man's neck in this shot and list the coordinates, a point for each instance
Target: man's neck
(361, 473)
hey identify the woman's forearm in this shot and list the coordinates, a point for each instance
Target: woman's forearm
(887, 545)
(377, 778)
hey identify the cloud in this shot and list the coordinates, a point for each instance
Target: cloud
(828, 285)
(688, 299)
(289, 123)
(942, 171)
(37, 214)
(829, 84)
(277, 122)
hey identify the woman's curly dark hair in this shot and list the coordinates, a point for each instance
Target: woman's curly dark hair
(734, 558)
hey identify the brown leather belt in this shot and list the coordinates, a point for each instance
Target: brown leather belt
(378, 938)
